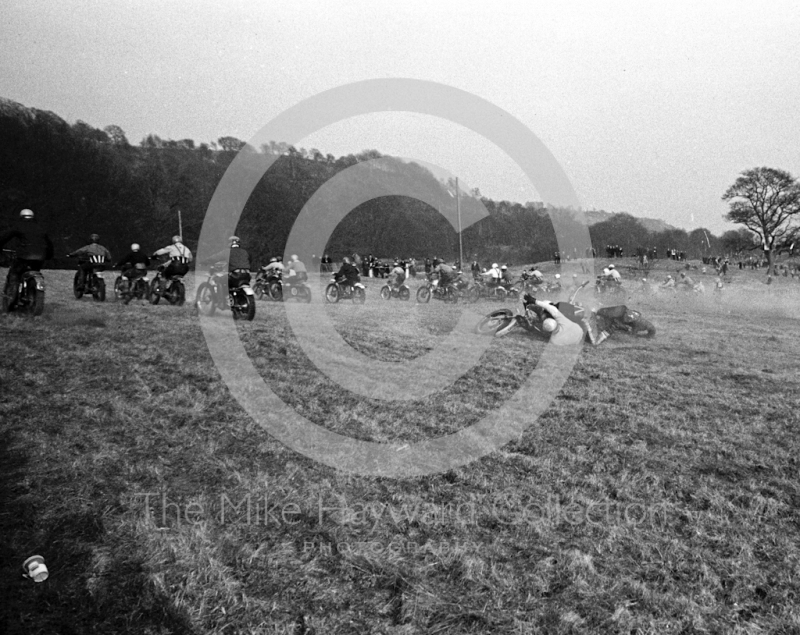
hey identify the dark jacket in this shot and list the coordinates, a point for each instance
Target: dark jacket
(348, 274)
(133, 259)
(236, 257)
(33, 241)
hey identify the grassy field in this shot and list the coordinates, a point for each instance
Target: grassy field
(658, 493)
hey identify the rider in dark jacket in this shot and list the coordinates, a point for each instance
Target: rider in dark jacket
(348, 273)
(33, 248)
(238, 261)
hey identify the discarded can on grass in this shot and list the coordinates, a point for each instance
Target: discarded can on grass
(35, 569)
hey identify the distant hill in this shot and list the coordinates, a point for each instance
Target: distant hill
(653, 225)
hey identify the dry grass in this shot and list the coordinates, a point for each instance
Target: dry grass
(657, 493)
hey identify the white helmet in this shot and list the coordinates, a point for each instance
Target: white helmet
(26, 213)
(549, 325)
(503, 268)
(611, 267)
(234, 240)
(557, 276)
(176, 239)
(494, 265)
(135, 247)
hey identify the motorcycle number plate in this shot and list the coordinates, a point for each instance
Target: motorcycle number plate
(248, 291)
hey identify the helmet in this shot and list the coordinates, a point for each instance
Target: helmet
(611, 267)
(644, 279)
(176, 239)
(549, 325)
(94, 238)
(273, 259)
(557, 276)
(503, 268)
(494, 265)
(234, 239)
(26, 213)
(135, 247)
(294, 257)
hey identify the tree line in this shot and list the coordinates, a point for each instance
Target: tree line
(81, 180)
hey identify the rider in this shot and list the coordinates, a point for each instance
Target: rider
(179, 258)
(614, 275)
(134, 262)
(444, 275)
(397, 275)
(492, 277)
(506, 279)
(237, 261)
(348, 274)
(685, 283)
(296, 270)
(94, 248)
(274, 269)
(34, 247)
(563, 330)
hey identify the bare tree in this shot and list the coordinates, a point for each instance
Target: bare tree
(765, 201)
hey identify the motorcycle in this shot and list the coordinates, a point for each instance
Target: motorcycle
(241, 297)
(30, 293)
(388, 292)
(490, 292)
(289, 289)
(172, 289)
(336, 291)
(268, 284)
(610, 319)
(447, 293)
(91, 282)
(133, 285)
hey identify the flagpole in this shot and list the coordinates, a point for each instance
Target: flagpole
(460, 244)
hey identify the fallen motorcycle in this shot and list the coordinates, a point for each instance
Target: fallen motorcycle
(610, 319)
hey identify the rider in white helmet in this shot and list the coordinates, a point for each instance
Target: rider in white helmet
(135, 261)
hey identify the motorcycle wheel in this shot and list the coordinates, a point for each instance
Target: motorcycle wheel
(258, 289)
(404, 294)
(332, 293)
(77, 289)
(386, 292)
(6, 301)
(204, 300)
(359, 295)
(494, 322)
(423, 295)
(644, 328)
(304, 295)
(473, 294)
(120, 288)
(451, 295)
(276, 291)
(35, 298)
(248, 312)
(155, 294)
(99, 292)
(176, 294)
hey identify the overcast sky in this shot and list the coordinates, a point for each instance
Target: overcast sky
(650, 108)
